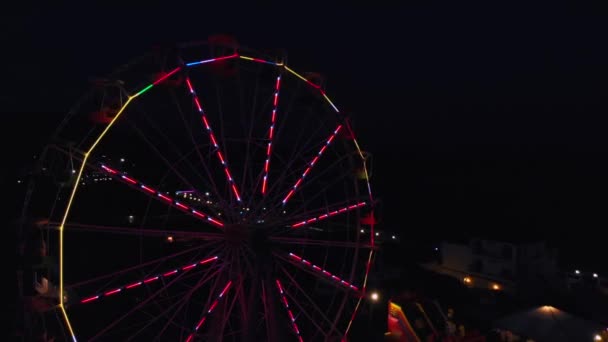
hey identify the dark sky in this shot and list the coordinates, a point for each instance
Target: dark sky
(481, 119)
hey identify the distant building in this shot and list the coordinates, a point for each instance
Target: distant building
(497, 265)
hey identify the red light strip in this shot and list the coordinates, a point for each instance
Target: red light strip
(319, 270)
(158, 194)
(211, 308)
(324, 216)
(212, 136)
(166, 76)
(147, 281)
(311, 164)
(289, 313)
(273, 117)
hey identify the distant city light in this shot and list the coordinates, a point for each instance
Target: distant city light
(495, 287)
(18, 181)
(206, 193)
(374, 296)
(169, 238)
(73, 171)
(467, 280)
(122, 160)
(577, 272)
(595, 275)
(131, 218)
(436, 248)
(362, 231)
(377, 234)
(597, 337)
(393, 237)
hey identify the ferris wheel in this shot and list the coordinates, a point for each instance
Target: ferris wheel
(209, 192)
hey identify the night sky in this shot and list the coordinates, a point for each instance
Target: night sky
(481, 120)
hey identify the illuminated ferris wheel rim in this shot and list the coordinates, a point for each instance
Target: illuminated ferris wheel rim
(214, 221)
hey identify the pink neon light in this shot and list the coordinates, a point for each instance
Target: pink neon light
(181, 206)
(109, 293)
(185, 268)
(333, 277)
(165, 197)
(273, 116)
(198, 104)
(312, 163)
(112, 171)
(150, 190)
(206, 123)
(225, 289)
(198, 214)
(236, 192)
(217, 223)
(170, 273)
(213, 139)
(324, 216)
(130, 180)
(89, 299)
(134, 285)
(288, 196)
(289, 313)
(212, 306)
(189, 339)
(150, 280)
(200, 322)
(207, 260)
(189, 86)
(210, 132)
(166, 76)
(160, 195)
(264, 181)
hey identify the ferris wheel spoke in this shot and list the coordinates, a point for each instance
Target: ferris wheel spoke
(311, 164)
(323, 190)
(214, 141)
(302, 146)
(201, 159)
(159, 196)
(140, 305)
(328, 214)
(178, 305)
(119, 230)
(227, 314)
(208, 311)
(137, 267)
(147, 280)
(275, 104)
(309, 300)
(320, 273)
(323, 243)
(285, 303)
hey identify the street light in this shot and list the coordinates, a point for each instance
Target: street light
(374, 296)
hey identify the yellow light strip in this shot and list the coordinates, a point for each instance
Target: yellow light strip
(331, 103)
(296, 74)
(67, 211)
(245, 57)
